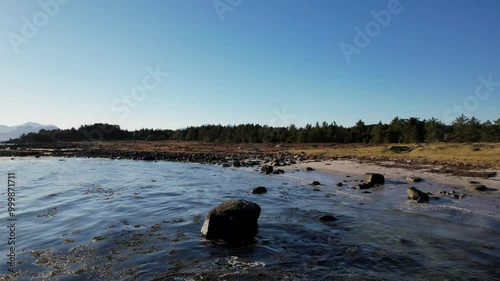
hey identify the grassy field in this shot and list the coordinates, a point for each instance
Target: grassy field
(479, 154)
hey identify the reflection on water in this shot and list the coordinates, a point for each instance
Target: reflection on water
(125, 220)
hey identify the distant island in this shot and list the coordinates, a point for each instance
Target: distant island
(14, 132)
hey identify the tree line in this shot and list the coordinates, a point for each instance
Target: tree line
(409, 130)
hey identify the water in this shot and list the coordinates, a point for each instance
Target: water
(102, 219)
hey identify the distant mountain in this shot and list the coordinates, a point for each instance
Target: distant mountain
(13, 132)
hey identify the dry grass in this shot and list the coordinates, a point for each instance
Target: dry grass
(481, 154)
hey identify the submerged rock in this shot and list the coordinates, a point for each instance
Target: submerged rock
(315, 183)
(259, 190)
(417, 195)
(232, 221)
(476, 187)
(327, 218)
(374, 178)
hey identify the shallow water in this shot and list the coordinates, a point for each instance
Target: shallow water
(135, 220)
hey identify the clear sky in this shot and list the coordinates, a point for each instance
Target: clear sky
(272, 62)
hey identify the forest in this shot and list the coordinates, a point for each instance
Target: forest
(408, 130)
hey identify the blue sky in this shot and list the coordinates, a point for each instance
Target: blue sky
(269, 62)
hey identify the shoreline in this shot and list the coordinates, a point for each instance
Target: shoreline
(358, 169)
(355, 168)
(287, 157)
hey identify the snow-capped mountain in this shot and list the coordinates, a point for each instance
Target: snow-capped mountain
(13, 132)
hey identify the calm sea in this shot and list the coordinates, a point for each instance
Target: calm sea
(101, 219)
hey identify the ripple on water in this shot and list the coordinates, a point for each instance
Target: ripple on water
(103, 219)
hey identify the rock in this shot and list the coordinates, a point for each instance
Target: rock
(339, 184)
(232, 221)
(315, 183)
(417, 195)
(148, 158)
(413, 179)
(374, 178)
(365, 185)
(236, 164)
(259, 190)
(327, 218)
(266, 169)
(278, 171)
(309, 169)
(476, 187)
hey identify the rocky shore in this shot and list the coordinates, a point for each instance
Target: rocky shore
(269, 159)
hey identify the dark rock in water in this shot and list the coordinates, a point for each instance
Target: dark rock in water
(327, 218)
(476, 187)
(232, 221)
(374, 178)
(367, 192)
(259, 190)
(413, 179)
(365, 185)
(148, 158)
(278, 171)
(340, 184)
(417, 195)
(236, 164)
(266, 169)
(315, 183)
(309, 169)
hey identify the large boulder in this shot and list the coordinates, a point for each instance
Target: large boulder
(417, 195)
(476, 187)
(374, 178)
(232, 221)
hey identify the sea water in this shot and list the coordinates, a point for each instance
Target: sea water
(103, 219)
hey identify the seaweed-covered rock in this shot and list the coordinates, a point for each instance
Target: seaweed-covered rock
(417, 195)
(476, 187)
(266, 169)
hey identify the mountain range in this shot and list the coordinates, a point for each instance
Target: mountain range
(13, 132)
